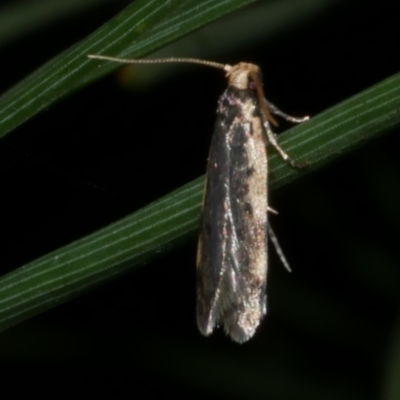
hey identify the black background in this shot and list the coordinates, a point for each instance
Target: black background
(331, 324)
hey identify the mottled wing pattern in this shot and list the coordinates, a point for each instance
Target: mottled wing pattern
(232, 253)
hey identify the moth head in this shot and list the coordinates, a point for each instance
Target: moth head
(244, 76)
(249, 76)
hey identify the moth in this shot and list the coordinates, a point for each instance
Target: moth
(232, 255)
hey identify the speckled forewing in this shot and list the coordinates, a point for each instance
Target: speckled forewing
(232, 253)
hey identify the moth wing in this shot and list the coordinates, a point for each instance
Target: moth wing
(211, 266)
(232, 252)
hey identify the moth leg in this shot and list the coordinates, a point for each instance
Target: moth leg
(278, 249)
(275, 110)
(272, 140)
(272, 210)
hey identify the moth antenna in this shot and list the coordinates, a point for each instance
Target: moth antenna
(225, 67)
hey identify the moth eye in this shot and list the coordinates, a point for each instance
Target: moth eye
(252, 85)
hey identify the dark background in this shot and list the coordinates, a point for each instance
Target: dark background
(332, 325)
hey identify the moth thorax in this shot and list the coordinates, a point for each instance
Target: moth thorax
(243, 75)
